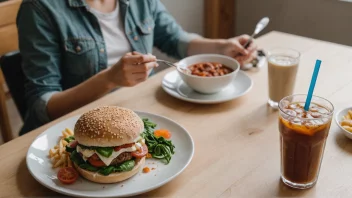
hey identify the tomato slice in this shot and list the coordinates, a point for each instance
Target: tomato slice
(140, 153)
(117, 148)
(73, 144)
(96, 161)
(67, 175)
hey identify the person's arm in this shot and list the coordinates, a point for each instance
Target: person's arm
(230, 47)
(40, 50)
(66, 101)
(129, 71)
(169, 37)
(41, 59)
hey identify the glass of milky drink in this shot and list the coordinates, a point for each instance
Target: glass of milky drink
(302, 139)
(282, 70)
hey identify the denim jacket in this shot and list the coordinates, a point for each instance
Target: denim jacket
(62, 45)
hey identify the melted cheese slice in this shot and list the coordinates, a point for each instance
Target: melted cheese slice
(138, 146)
(107, 160)
(86, 153)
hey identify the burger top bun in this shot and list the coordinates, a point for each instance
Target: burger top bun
(108, 126)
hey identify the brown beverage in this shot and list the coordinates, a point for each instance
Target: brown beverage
(282, 70)
(302, 139)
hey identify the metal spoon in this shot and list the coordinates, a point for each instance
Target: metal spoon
(186, 70)
(260, 26)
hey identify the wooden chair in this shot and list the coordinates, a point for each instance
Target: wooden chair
(8, 43)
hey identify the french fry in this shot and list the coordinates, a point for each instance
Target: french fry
(350, 113)
(346, 123)
(58, 155)
(65, 134)
(52, 152)
(58, 163)
(69, 131)
(348, 117)
(61, 147)
(64, 143)
(69, 164)
(348, 128)
(64, 159)
(53, 160)
(68, 161)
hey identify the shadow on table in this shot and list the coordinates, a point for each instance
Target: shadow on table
(343, 142)
(28, 186)
(165, 99)
(285, 191)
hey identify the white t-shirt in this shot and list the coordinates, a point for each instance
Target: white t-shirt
(114, 35)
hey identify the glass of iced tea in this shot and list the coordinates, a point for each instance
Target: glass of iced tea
(302, 138)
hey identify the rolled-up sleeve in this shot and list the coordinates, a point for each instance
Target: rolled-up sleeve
(39, 47)
(169, 37)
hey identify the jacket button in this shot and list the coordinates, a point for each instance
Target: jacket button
(102, 50)
(135, 38)
(78, 48)
(149, 29)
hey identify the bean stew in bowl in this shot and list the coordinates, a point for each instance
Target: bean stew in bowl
(209, 69)
(208, 73)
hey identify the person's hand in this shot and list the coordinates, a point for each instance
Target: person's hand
(131, 69)
(234, 48)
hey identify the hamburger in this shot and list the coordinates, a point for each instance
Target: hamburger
(108, 146)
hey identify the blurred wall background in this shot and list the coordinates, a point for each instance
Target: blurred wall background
(328, 20)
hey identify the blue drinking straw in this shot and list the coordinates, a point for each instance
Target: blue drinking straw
(312, 84)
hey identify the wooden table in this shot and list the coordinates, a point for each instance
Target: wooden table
(237, 143)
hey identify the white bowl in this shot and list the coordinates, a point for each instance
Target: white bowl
(338, 118)
(208, 85)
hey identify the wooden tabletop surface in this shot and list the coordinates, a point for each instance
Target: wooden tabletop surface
(236, 143)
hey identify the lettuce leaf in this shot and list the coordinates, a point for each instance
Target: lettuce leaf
(106, 170)
(104, 151)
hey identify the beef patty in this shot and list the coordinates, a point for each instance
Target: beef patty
(121, 158)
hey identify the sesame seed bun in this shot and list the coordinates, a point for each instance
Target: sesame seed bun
(108, 126)
(113, 177)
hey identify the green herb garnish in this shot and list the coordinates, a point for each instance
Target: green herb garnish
(158, 147)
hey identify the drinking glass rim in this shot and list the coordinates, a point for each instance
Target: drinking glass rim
(284, 48)
(331, 112)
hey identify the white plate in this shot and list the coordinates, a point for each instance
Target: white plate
(338, 119)
(39, 164)
(173, 85)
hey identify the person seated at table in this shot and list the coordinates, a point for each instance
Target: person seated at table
(75, 51)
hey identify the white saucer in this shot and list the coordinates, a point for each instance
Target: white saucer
(173, 85)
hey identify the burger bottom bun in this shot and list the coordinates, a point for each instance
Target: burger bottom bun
(113, 177)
